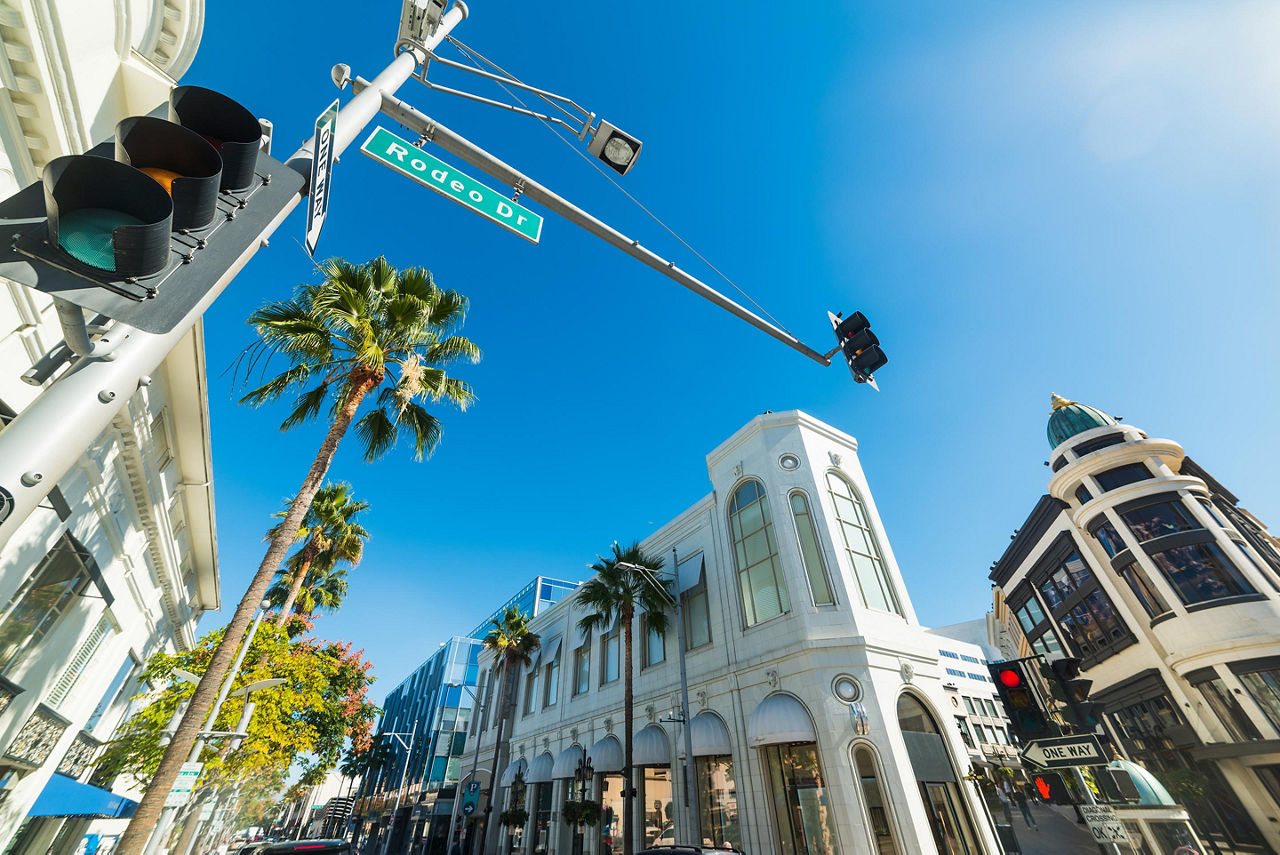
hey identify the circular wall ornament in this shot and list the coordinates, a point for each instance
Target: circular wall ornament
(6, 504)
(908, 671)
(789, 462)
(846, 689)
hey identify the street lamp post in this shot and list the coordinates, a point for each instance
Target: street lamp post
(400, 791)
(475, 762)
(584, 775)
(690, 800)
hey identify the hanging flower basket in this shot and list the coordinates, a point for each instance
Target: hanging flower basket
(514, 818)
(586, 812)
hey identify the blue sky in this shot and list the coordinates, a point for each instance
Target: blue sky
(1078, 198)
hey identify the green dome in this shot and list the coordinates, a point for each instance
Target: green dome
(1070, 418)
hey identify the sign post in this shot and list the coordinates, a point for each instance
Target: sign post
(405, 158)
(321, 170)
(470, 798)
(1065, 751)
(180, 792)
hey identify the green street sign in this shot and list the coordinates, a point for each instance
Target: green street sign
(390, 150)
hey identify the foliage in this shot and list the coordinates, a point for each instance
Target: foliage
(585, 811)
(617, 591)
(305, 721)
(514, 818)
(366, 327)
(1185, 785)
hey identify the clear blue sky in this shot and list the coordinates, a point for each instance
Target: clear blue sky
(1024, 198)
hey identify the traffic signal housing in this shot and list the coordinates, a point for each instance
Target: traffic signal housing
(860, 346)
(1027, 718)
(1071, 691)
(145, 224)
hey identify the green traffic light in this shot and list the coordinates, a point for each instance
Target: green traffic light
(86, 234)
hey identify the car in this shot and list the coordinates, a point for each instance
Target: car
(306, 847)
(685, 849)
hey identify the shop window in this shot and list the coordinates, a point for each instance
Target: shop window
(718, 801)
(654, 806)
(761, 586)
(1201, 573)
(806, 824)
(810, 551)
(877, 807)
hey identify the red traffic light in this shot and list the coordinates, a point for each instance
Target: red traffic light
(1010, 678)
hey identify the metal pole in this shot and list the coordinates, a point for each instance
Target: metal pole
(475, 763)
(46, 439)
(690, 798)
(481, 159)
(167, 814)
(400, 791)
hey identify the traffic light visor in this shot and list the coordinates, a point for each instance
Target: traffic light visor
(870, 360)
(182, 161)
(850, 326)
(226, 125)
(107, 216)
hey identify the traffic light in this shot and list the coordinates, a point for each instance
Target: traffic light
(142, 226)
(1026, 716)
(1051, 787)
(860, 346)
(1071, 691)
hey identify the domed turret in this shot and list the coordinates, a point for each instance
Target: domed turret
(1070, 418)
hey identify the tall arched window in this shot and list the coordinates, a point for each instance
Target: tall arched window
(945, 806)
(881, 826)
(755, 552)
(861, 546)
(810, 550)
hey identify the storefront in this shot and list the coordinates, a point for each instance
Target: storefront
(783, 732)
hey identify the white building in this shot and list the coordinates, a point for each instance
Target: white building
(1142, 565)
(820, 721)
(120, 562)
(976, 707)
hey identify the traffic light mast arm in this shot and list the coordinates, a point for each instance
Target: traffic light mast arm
(500, 171)
(42, 443)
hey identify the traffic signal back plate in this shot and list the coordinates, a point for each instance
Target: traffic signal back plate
(153, 304)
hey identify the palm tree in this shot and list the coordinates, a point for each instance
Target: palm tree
(324, 590)
(617, 590)
(332, 537)
(513, 643)
(367, 332)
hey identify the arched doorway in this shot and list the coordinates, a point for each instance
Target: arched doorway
(944, 805)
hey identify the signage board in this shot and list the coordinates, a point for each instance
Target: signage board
(180, 792)
(1103, 823)
(321, 175)
(405, 158)
(1063, 751)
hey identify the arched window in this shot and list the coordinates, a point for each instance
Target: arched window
(881, 827)
(861, 547)
(755, 552)
(810, 551)
(945, 806)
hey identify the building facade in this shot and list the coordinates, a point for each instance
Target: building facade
(976, 708)
(819, 720)
(1145, 567)
(412, 796)
(120, 561)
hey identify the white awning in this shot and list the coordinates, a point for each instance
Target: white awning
(689, 572)
(508, 778)
(583, 635)
(567, 763)
(540, 769)
(709, 736)
(780, 719)
(651, 748)
(606, 755)
(534, 659)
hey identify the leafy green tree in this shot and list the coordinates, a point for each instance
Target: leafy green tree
(331, 538)
(616, 591)
(368, 336)
(513, 644)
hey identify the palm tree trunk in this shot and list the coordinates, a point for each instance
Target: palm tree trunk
(628, 718)
(497, 751)
(308, 556)
(148, 811)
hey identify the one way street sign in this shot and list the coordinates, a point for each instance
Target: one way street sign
(1084, 750)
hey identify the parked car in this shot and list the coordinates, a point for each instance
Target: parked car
(306, 847)
(686, 849)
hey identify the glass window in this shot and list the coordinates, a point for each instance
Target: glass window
(760, 583)
(1059, 463)
(1130, 473)
(1109, 538)
(1158, 520)
(1096, 443)
(718, 801)
(1048, 646)
(609, 656)
(1264, 688)
(656, 813)
(968, 704)
(963, 724)
(582, 668)
(1211, 511)
(873, 796)
(1200, 573)
(124, 680)
(1229, 711)
(861, 547)
(1149, 598)
(655, 647)
(802, 806)
(814, 567)
(552, 680)
(1029, 615)
(531, 691)
(160, 441)
(41, 600)
(1083, 495)
(693, 605)
(948, 814)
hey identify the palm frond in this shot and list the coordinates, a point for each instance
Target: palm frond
(306, 406)
(377, 432)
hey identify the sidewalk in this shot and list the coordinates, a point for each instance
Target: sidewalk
(1057, 832)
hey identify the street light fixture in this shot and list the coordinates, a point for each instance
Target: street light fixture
(584, 775)
(475, 762)
(408, 746)
(690, 802)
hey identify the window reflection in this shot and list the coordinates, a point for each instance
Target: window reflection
(1131, 473)
(1264, 687)
(755, 552)
(873, 796)
(806, 822)
(1152, 603)
(1158, 520)
(861, 547)
(718, 801)
(1201, 573)
(1109, 538)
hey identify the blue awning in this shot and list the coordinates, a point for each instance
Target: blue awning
(64, 796)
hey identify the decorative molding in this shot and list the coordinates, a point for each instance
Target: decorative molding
(737, 470)
(701, 696)
(907, 670)
(79, 756)
(37, 738)
(835, 458)
(649, 713)
(771, 674)
(608, 725)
